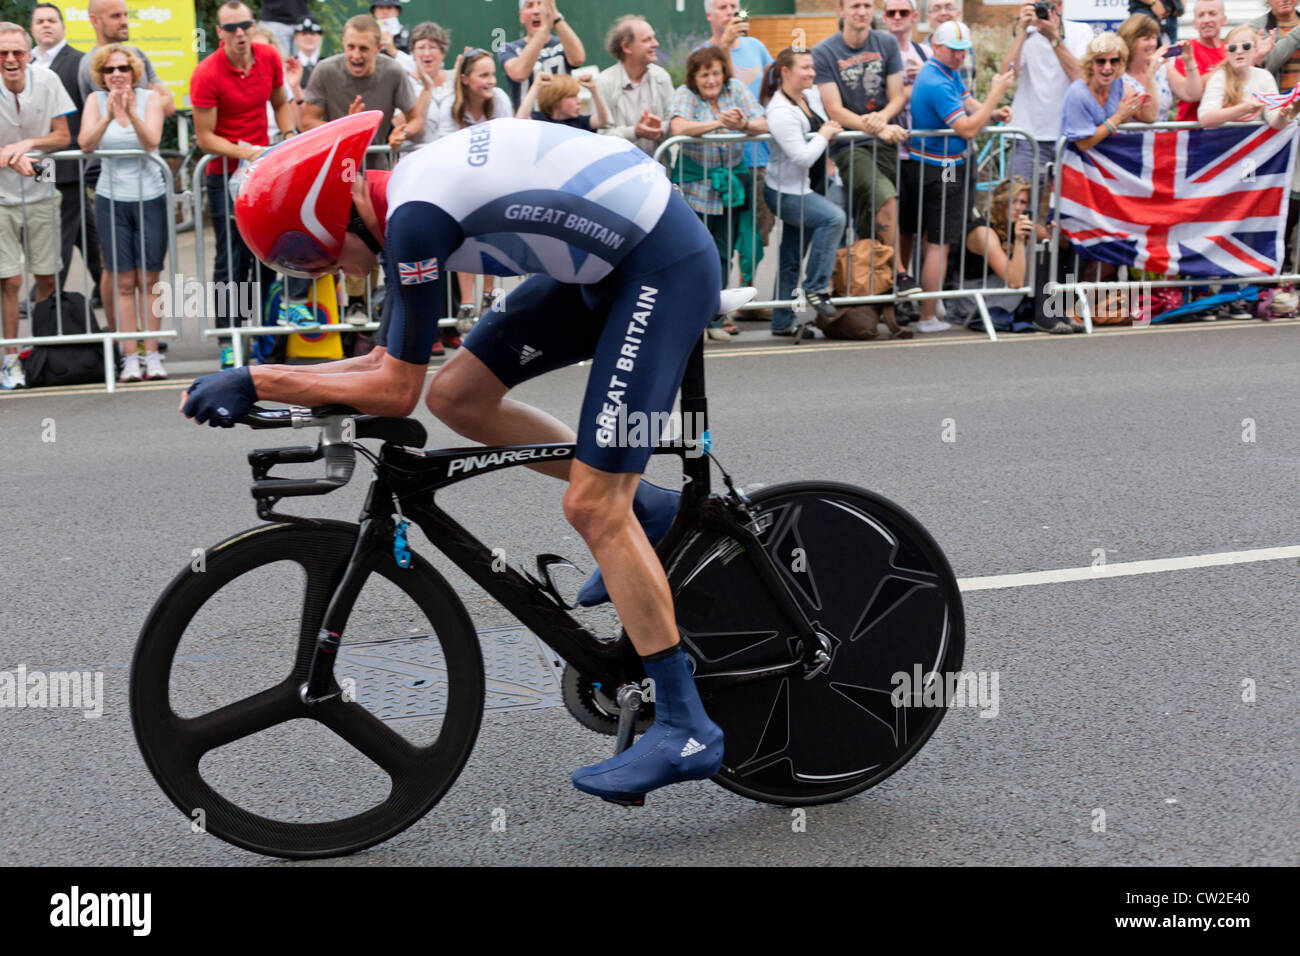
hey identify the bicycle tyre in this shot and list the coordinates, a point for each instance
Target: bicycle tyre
(870, 577)
(173, 746)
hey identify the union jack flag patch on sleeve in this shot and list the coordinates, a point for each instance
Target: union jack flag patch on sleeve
(411, 273)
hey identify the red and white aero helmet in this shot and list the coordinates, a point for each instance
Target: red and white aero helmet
(293, 203)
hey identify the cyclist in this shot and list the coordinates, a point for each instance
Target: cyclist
(622, 273)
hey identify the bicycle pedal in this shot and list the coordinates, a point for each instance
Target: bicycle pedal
(633, 802)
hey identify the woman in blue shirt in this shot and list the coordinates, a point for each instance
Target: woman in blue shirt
(1099, 102)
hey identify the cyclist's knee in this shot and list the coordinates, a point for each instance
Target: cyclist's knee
(463, 393)
(597, 510)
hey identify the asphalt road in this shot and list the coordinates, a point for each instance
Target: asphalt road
(1123, 695)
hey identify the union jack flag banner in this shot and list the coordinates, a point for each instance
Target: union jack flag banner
(1193, 203)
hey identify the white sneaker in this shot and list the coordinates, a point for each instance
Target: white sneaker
(932, 325)
(11, 373)
(153, 366)
(130, 369)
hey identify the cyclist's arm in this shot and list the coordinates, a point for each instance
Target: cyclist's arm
(359, 363)
(391, 388)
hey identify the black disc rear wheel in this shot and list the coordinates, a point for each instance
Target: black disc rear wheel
(874, 582)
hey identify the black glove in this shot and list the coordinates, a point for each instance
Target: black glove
(221, 397)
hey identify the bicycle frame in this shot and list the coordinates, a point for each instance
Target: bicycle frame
(406, 482)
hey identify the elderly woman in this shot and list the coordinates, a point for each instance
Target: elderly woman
(1099, 102)
(130, 199)
(1147, 70)
(713, 177)
(429, 46)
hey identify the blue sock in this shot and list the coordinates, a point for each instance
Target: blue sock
(655, 508)
(681, 744)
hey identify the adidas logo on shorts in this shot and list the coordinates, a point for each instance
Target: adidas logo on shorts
(527, 354)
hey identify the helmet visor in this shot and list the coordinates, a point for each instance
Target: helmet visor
(298, 254)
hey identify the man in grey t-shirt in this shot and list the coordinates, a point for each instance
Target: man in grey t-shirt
(360, 79)
(860, 78)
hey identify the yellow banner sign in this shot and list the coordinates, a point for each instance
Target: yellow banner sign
(164, 30)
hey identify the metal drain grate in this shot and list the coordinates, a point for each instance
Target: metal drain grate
(407, 678)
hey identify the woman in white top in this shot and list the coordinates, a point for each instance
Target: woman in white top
(477, 100)
(812, 223)
(1227, 96)
(429, 45)
(130, 197)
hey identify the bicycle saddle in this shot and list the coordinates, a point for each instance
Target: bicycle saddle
(733, 299)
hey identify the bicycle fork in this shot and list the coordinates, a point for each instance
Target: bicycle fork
(319, 685)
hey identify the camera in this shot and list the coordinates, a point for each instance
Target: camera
(1043, 10)
(742, 17)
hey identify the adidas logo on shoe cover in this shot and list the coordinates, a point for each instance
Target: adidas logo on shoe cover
(692, 747)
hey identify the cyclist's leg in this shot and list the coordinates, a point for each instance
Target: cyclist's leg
(545, 326)
(655, 320)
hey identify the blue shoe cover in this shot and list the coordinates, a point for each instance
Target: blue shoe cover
(681, 744)
(655, 508)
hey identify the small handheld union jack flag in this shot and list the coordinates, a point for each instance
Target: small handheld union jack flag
(1277, 101)
(411, 273)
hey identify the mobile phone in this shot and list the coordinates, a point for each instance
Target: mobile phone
(742, 17)
(1175, 50)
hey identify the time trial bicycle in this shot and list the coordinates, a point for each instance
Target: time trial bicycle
(798, 605)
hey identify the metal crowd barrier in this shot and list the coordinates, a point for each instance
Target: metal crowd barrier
(238, 332)
(1082, 290)
(975, 159)
(107, 338)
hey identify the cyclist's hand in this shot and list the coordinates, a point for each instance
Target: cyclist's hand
(220, 398)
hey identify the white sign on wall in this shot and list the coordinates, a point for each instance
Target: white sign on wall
(1093, 10)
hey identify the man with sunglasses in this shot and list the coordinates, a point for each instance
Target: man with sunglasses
(229, 91)
(33, 118)
(623, 274)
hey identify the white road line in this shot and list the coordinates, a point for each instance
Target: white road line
(1126, 569)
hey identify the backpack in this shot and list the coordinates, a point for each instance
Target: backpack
(74, 364)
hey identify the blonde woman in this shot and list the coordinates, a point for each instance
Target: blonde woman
(1098, 103)
(1227, 96)
(130, 198)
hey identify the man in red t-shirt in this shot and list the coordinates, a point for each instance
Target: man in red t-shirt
(1207, 49)
(229, 91)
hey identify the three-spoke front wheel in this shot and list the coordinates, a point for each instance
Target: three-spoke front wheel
(215, 686)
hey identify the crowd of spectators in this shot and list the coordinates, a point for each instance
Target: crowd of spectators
(269, 78)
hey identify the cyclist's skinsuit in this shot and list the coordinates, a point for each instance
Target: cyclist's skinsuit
(623, 271)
